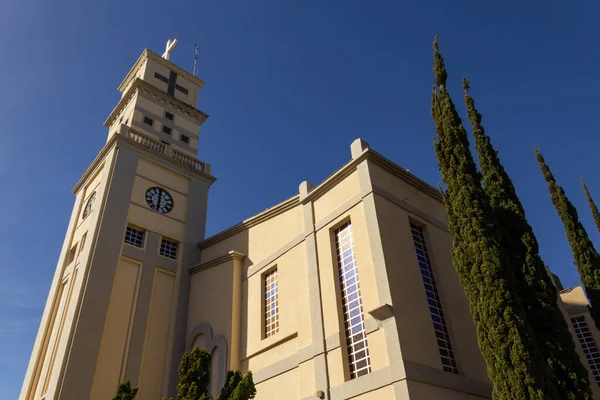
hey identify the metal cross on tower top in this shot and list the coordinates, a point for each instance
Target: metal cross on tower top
(171, 44)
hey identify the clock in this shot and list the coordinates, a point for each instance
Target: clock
(159, 200)
(89, 206)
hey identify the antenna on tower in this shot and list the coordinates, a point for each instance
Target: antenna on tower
(195, 60)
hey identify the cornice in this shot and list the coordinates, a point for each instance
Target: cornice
(232, 255)
(147, 53)
(333, 179)
(252, 221)
(139, 83)
(120, 140)
(401, 173)
(321, 189)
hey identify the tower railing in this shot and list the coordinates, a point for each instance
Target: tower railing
(166, 150)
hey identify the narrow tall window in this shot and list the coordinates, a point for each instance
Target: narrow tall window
(433, 298)
(590, 349)
(271, 304)
(356, 338)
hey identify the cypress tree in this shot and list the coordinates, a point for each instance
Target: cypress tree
(514, 362)
(194, 379)
(125, 391)
(535, 289)
(585, 255)
(595, 212)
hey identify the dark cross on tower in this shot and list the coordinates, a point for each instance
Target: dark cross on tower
(172, 83)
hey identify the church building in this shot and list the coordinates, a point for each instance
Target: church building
(344, 291)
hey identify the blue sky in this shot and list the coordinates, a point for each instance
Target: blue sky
(289, 85)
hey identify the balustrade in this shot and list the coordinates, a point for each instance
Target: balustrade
(161, 148)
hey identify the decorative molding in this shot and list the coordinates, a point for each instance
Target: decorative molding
(333, 179)
(139, 83)
(270, 259)
(212, 342)
(232, 255)
(408, 370)
(280, 367)
(339, 211)
(327, 184)
(382, 312)
(411, 209)
(146, 54)
(163, 121)
(268, 347)
(120, 140)
(250, 222)
(406, 176)
(332, 342)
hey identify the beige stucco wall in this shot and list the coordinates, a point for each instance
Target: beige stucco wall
(419, 390)
(115, 338)
(417, 338)
(260, 240)
(283, 362)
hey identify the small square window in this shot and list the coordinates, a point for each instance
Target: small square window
(134, 237)
(148, 121)
(168, 115)
(167, 130)
(168, 248)
(185, 139)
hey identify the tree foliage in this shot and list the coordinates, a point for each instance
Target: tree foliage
(125, 391)
(194, 380)
(515, 364)
(595, 212)
(534, 286)
(585, 256)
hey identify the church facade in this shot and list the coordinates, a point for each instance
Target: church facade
(344, 291)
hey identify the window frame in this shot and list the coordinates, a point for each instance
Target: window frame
(146, 119)
(89, 202)
(186, 140)
(265, 331)
(351, 345)
(432, 294)
(590, 347)
(137, 229)
(172, 116)
(164, 239)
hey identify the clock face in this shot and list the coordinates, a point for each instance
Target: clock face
(89, 206)
(159, 200)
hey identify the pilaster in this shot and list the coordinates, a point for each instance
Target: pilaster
(314, 293)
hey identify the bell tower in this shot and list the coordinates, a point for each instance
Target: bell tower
(117, 305)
